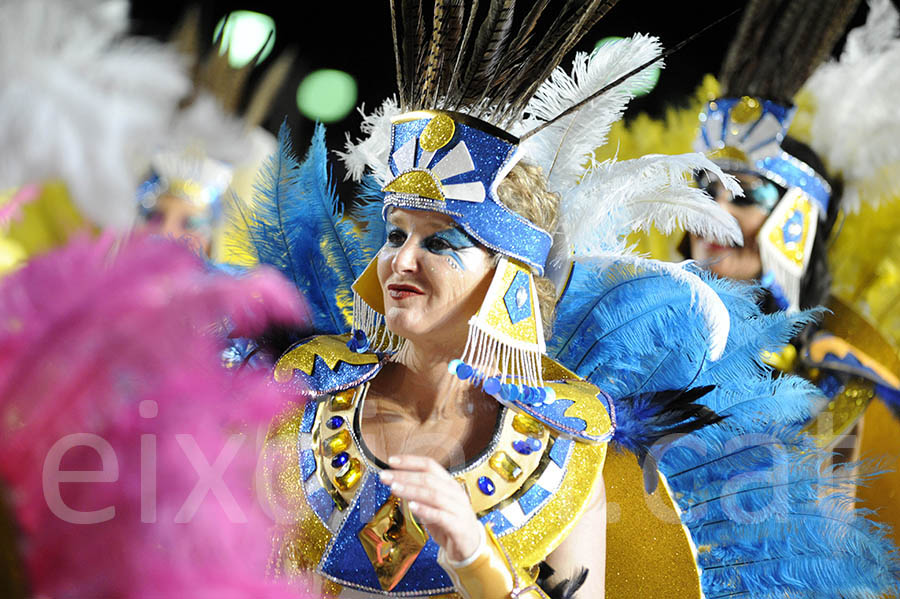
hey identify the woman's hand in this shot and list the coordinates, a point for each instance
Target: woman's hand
(438, 501)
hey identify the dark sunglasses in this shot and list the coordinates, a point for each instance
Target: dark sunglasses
(762, 192)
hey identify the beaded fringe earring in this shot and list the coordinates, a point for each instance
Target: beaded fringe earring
(369, 331)
(505, 345)
(785, 246)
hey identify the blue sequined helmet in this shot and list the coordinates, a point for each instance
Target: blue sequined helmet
(451, 163)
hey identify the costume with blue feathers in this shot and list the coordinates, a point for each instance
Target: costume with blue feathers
(763, 518)
(713, 491)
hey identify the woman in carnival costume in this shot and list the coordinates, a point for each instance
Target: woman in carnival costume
(792, 202)
(485, 343)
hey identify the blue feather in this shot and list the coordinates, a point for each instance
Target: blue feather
(296, 224)
(368, 214)
(750, 488)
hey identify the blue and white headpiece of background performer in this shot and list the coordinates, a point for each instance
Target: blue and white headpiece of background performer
(745, 135)
(452, 158)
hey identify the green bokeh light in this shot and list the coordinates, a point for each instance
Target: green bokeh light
(326, 95)
(245, 33)
(652, 71)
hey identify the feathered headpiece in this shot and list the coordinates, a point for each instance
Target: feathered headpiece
(485, 91)
(777, 47)
(197, 162)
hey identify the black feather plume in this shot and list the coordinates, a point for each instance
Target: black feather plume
(435, 55)
(561, 590)
(453, 32)
(646, 419)
(485, 61)
(456, 86)
(780, 43)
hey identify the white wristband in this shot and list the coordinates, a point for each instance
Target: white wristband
(446, 562)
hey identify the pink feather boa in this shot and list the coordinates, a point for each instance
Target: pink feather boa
(120, 340)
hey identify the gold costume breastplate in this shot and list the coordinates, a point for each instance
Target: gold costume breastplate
(531, 484)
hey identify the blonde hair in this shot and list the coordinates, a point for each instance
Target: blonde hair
(524, 191)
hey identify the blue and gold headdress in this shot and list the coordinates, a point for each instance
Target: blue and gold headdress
(772, 55)
(450, 163)
(467, 113)
(745, 135)
(449, 151)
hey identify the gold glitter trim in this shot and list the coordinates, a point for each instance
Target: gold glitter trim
(331, 348)
(648, 553)
(299, 538)
(586, 406)
(553, 522)
(418, 183)
(437, 133)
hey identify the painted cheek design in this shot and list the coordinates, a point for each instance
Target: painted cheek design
(450, 242)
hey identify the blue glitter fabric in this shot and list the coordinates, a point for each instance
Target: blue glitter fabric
(532, 498)
(309, 416)
(344, 376)
(307, 463)
(559, 453)
(518, 298)
(346, 561)
(499, 523)
(488, 221)
(321, 503)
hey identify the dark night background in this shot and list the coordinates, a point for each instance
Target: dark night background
(355, 36)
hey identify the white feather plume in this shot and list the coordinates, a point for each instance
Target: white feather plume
(372, 150)
(563, 148)
(601, 203)
(855, 121)
(618, 197)
(82, 104)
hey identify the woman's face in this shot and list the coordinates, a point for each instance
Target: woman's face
(739, 263)
(433, 275)
(178, 218)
